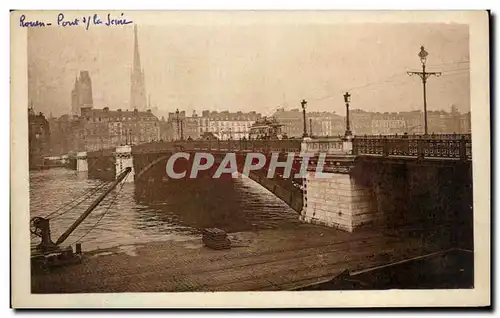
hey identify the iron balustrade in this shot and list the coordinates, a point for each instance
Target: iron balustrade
(289, 145)
(332, 145)
(446, 146)
(449, 146)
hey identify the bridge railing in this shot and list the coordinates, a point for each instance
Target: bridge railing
(287, 145)
(451, 146)
(433, 136)
(325, 145)
(454, 146)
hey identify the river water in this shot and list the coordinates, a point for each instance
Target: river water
(123, 218)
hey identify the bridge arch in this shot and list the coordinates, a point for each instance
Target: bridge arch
(151, 165)
(285, 189)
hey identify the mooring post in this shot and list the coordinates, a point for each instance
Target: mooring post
(78, 248)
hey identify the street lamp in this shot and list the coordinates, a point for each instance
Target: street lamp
(182, 129)
(178, 125)
(347, 100)
(424, 76)
(304, 103)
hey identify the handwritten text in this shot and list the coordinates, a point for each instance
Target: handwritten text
(84, 21)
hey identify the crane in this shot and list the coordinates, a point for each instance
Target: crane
(40, 226)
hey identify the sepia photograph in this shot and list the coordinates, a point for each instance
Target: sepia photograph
(188, 154)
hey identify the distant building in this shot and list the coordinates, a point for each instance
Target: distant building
(38, 138)
(104, 128)
(292, 121)
(388, 123)
(361, 122)
(190, 127)
(166, 130)
(62, 134)
(226, 125)
(81, 95)
(414, 121)
(465, 126)
(183, 127)
(266, 128)
(440, 122)
(322, 124)
(317, 123)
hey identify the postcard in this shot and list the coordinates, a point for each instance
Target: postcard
(250, 159)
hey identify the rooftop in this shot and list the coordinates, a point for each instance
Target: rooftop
(106, 113)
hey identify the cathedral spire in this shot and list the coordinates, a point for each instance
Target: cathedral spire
(137, 86)
(137, 58)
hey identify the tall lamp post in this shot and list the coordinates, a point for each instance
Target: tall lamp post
(424, 76)
(129, 136)
(182, 129)
(347, 100)
(178, 125)
(304, 103)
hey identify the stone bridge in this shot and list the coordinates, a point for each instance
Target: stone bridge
(388, 181)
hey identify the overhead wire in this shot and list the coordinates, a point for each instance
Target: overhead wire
(378, 82)
(389, 79)
(449, 63)
(85, 196)
(103, 214)
(458, 70)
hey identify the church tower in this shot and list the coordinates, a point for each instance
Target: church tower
(137, 87)
(81, 95)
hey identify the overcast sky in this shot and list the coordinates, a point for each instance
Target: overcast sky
(255, 67)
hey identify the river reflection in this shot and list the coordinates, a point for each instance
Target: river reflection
(173, 211)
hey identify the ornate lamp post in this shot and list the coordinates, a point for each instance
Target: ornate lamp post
(178, 124)
(347, 100)
(182, 129)
(304, 103)
(424, 76)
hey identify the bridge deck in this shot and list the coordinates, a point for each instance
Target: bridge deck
(273, 259)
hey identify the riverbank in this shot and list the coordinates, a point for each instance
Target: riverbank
(285, 258)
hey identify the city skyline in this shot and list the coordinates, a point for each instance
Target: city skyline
(249, 68)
